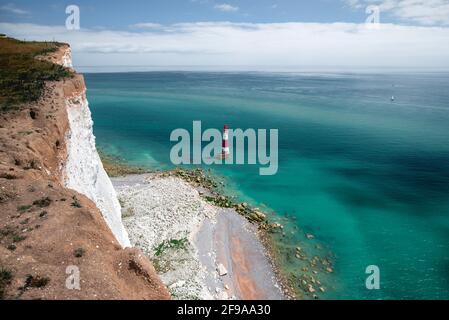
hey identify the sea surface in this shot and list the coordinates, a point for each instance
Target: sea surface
(367, 176)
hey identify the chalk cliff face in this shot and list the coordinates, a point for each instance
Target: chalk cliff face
(57, 205)
(66, 59)
(84, 171)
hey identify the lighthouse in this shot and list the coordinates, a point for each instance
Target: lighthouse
(225, 145)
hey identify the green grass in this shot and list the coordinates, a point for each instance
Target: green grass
(22, 77)
(24, 208)
(18, 238)
(76, 204)
(43, 202)
(172, 243)
(6, 232)
(8, 176)
(79, 252)
(36, 281)
(5, 279)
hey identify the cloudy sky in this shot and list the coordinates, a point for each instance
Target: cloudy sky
(247, 34)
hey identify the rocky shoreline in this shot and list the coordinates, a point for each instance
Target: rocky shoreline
(200, 250)
(300, 283)
(208, 187)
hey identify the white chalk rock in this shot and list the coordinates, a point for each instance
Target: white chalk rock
(84, 171)
(222, 270)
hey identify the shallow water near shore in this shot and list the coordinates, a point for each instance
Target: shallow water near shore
(369, 178)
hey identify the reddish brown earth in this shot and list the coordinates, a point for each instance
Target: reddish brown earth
(43, 224)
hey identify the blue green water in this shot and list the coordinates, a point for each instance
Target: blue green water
(367, 176)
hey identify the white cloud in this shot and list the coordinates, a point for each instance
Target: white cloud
(356, 4)
(426, 12)
(225, 7)
(267, 46)
(146, 25)
(11, 8)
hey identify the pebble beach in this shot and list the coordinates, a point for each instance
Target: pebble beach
(200, 251)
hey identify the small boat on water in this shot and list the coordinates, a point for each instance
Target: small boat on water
(392, 98)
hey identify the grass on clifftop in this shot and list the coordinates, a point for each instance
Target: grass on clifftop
(22, 77)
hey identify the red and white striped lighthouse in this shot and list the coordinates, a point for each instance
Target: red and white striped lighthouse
(225, 145)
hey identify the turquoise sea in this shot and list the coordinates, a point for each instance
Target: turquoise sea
(367, 176)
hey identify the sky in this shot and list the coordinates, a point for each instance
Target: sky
(246, 34)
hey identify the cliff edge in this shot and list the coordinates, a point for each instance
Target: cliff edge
(60, 219)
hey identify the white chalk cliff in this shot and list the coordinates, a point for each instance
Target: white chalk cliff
(66, 59)
(83, 170)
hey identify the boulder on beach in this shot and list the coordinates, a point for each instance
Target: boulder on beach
(260, 215)
(222, 270)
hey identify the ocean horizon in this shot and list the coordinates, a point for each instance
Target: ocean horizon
(368, 177)
(86, 69)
